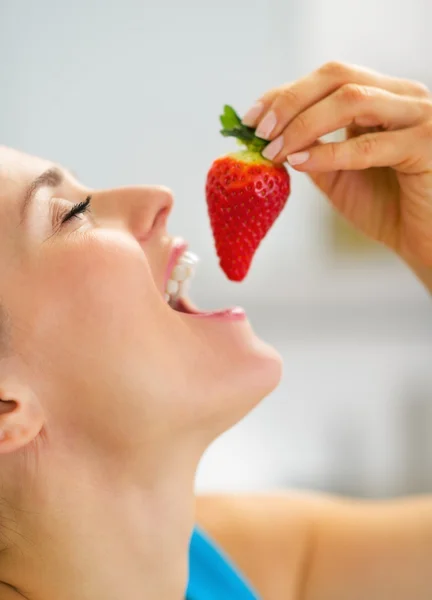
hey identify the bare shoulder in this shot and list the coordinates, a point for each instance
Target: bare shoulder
(266, 535)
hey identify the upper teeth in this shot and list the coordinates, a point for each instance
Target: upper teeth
(181, 274)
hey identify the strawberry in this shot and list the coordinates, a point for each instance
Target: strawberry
(245, 194)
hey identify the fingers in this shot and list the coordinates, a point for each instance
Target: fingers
(278, 107)
(362, 106)
(407, 150)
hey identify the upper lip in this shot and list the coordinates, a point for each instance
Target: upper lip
(178, 247)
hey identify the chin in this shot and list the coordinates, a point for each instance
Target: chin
(263, 371)
(238, 368)
(252, 374)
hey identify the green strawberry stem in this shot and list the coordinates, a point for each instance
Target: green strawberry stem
(233, 127)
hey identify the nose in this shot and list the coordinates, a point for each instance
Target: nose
(143, 209)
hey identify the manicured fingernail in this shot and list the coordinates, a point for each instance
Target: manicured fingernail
(266, 126)
(253, 114)
(273, 148)
(298, 158)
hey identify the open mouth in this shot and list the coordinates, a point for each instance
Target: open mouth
(179, 280)
(181, 269)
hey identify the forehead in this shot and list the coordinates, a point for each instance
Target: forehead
(17, 171)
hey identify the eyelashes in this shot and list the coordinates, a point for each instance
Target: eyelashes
(79, 208)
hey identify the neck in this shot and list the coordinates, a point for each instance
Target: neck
(104, 534)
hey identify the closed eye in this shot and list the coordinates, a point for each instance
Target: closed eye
(79, 208)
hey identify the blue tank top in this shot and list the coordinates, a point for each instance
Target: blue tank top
(212, 576)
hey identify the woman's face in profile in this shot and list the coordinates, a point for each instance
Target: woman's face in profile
(97, 343)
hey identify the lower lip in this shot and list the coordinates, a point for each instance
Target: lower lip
(229, 314)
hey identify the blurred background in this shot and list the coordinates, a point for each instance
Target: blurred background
(130, 92)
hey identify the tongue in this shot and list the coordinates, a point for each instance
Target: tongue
(184, 305)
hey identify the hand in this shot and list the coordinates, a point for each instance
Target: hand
(380, 177)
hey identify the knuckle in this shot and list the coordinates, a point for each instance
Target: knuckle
(300, 124)
(352, 93)
(334, 69)
(366, 146)
(334, 151)
(289, 95)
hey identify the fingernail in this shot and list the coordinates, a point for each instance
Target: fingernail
(253, 114)
(298, 158)
(273, 148)
(266, 126)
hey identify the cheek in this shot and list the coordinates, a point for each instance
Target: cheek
(88, 294)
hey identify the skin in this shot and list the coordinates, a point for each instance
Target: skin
(108, 396)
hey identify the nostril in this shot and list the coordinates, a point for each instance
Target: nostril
(151, 209)
(161, 218)
(159, 223)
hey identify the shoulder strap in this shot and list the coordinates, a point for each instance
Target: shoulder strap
(212, 576)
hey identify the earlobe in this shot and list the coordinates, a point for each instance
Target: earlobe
(21, 417)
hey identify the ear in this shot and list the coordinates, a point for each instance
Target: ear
(21, 415)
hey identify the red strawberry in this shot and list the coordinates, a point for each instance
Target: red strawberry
(245, 194)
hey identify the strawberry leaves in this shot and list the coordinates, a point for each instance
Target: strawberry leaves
(233, 127)
(229, 118)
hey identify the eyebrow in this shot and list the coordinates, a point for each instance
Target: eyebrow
(53, 177)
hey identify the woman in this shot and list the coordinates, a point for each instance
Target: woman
(111, 387)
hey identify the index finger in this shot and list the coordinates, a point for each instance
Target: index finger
(272, 113)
